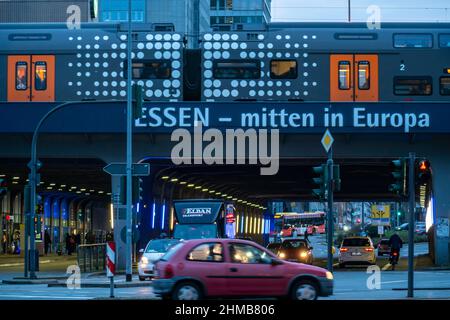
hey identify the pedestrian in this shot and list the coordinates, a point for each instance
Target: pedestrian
(77, 239)
(67, 238)
(4, 243)
(47, 241)
(306, 235)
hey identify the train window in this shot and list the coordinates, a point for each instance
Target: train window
(21, 75)
(412, 86)
(364, 75)
(344, 75)
(444, 40)
(408, 40)
(283, 69)
(149, 69)
(40, 76)
(445, 86)
(237, 69)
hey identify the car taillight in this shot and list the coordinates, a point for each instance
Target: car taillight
(394, 253)
(168, 272)
(343, 250)
(369, 249)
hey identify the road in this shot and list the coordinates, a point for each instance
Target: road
(349, 285)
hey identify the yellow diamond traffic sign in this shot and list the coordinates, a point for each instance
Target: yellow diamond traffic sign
(327, 140)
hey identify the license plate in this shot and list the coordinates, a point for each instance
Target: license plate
(356, 253)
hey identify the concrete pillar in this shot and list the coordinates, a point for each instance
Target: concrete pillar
(441, 194)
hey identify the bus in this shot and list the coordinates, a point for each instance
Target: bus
(199, 218)
(289, 224)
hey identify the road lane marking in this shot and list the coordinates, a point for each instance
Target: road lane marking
(386, 267)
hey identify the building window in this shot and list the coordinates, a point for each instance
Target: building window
(363, 75)
(344, 75)
(413, 86)
(213, 4)
(40, 76)
(413, 41)
(283, 69)
(21, 75)
(237, 69)
(444, 40)
(229, 4)
(207, 252)
(149, 69)
(445, 86)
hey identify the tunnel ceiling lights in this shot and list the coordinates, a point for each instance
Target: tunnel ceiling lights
(52, 184)
(191, 185)
(183, 182)
(212, 191)
(16, 178)
(165, 177)
(198, 187)
(205, 190)
(2, 175)
(173, 180)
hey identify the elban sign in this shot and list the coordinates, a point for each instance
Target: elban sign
(197, 211)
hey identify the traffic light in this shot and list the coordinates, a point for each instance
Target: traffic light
(336, 178)
(399, 175)
(399, 213)
(321, 181)
(137, 189)
(3, 187)
(423, 171)
(137, 98)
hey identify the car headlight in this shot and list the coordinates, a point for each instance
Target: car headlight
(303, 254)
(282, 255)
(329, 275)
(144, 260)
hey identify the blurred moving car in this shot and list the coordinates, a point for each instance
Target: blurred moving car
(356, 250)
(203, 268)
(296, 250)
(273, 247)
(421, 228)
(154, 250)
(401, 227)
(286, 231)
(383, 247)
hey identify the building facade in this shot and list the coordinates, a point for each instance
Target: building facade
(227, 12)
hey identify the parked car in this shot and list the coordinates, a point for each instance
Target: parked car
(383, 247)
(273, 247)
(154, 250)
(356, 250)
(296, 250)
(202, 268)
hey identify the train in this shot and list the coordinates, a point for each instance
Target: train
(298, 62)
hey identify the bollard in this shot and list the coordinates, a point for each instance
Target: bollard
(111, 265)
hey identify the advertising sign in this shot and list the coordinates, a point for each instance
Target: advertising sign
(197, 211)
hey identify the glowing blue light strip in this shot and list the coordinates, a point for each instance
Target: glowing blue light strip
(137, 207)
(153, 215)
(242, 224)
(163, 213)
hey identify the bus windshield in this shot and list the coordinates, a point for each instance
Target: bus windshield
(195, 231)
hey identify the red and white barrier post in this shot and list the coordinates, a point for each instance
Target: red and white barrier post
(111, 264)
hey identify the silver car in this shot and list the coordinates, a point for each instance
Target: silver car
(154, 250)
(356, 250)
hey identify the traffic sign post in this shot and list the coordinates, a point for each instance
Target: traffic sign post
(332, 171)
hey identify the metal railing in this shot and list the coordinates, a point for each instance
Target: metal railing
(92, 257)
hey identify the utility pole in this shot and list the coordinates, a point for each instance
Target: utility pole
(330, 220)
(349, 11)
(128, 258)
(412, 205)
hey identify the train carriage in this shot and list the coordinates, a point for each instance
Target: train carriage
(323, 62)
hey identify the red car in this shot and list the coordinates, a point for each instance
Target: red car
(203, 268)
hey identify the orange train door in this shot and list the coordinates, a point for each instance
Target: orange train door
(19, 82)
(31, 78)
(353, 77)
(43, 78)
